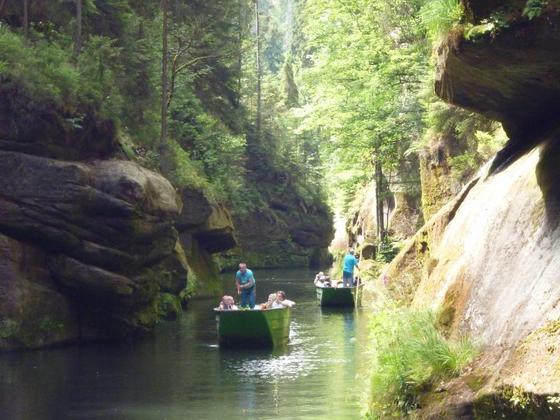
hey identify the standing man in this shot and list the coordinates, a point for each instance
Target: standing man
(348, 264)
(245, 282)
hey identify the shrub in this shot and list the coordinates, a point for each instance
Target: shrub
(43, 69)
(409, 355)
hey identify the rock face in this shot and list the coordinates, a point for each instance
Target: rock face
(206, 228)
(274, 237)
(88, 245)
(490, 259)
(404, 218)
(98, 235)
(511, 77)
(438, 183)
(287, 230)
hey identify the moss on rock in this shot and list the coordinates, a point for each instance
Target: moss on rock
(169, 306)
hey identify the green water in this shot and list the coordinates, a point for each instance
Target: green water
(181, 373)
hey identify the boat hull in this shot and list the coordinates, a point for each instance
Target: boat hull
(337, 296)
(250, 328)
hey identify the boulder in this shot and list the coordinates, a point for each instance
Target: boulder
(105, 234)
(217, 232)
(112, 214)
(197, 208)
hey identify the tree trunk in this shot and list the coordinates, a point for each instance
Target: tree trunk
(25, 22)
(259, 71)
(241, 21)
(379, 201)
(2, 3)
(78, 40)
(164, 82)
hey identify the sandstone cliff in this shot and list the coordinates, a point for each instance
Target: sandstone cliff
(92, 246)
(489, 259)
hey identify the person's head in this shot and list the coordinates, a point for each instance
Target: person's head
(351, 251)
(280, 295)
(271, 297)
(228, 300)
(243, 267)
(321, 274)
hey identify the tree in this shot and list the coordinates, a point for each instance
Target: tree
(78, 39)
(164, 73)
(25, 18)
(365, 64)
(259, 71)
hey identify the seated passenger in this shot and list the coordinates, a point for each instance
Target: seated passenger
(227, 304)
(281, 301)
(268, 303)
(321, 280)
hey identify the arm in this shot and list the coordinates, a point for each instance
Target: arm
(249, 284)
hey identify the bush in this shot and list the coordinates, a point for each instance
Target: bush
(409, 355)
(43, 69)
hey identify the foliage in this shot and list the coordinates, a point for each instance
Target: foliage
(212, 83)
(365, 104)
(186, 173)
(409, 354)
(440, 16)
(44, 69)
(388, 250)
(497, 22)
(534, 8)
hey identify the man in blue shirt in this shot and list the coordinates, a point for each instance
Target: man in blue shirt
(245, 282)
(348, 264)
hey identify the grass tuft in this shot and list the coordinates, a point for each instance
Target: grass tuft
(409, 356)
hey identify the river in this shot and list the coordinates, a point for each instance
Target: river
(181, 373)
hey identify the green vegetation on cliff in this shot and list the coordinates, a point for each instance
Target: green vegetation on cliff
(410, 357)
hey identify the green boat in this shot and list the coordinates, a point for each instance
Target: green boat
(253, 328)
(337, 296)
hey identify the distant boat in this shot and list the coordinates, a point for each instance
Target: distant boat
(337, 296)
(253, 328)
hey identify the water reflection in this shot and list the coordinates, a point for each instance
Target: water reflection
(182, 373)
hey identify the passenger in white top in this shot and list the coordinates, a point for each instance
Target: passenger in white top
(269, 302)
(281, 301)
(227, 304)
(321, 280)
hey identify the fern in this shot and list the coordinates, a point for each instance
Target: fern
(439, 16)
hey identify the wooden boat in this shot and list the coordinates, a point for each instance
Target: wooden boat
(253, 328)
(337, 296)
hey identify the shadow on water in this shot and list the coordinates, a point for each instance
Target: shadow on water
(181, 372)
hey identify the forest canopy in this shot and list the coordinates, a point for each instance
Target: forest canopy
(214, 92)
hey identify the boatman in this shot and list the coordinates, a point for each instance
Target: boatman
(348, 264)
(245, 282)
